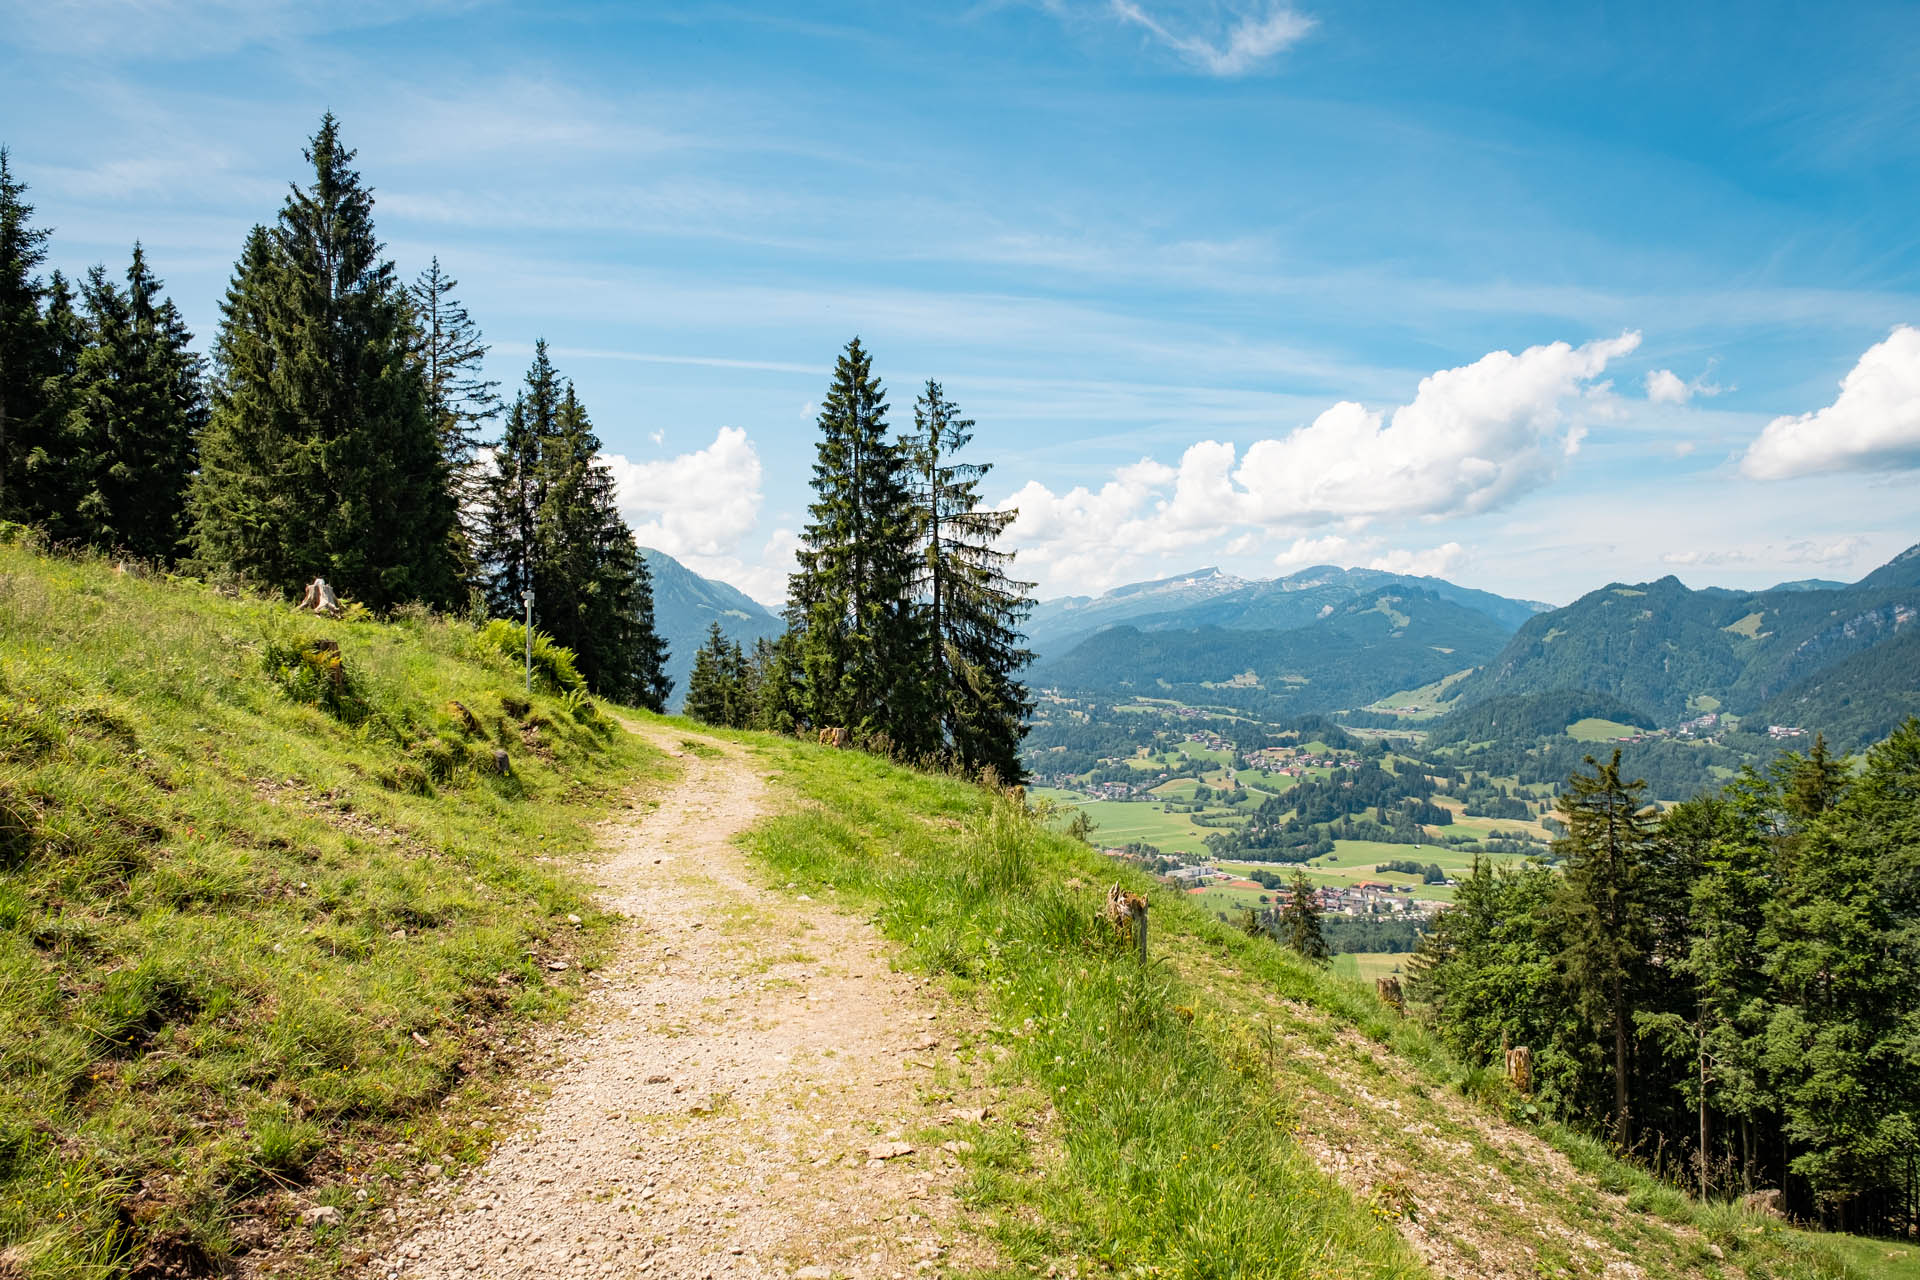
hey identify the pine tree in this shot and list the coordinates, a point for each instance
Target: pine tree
(973, 608)
(28, 422)
(852, 597)
(552, 525)
(1603, 911)
(1300, 919)
(709, 697)
(460, 399)
(136, 408)
(320, 456)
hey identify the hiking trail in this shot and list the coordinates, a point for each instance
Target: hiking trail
(739, 1094)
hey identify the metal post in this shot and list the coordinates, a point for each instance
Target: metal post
(1140, 931)
(526, 597)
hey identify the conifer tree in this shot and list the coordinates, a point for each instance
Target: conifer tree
(552, 525)
(320, 456)
(28, 421)
(852, 600)
(1300, 919)
(973, 608)
(461, 400)
(135, 410)
(1603, 912)
(708, 698)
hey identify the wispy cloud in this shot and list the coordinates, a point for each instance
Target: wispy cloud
(1251, 38)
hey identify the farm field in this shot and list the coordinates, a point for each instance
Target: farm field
(1594, 729)
(1365, 966)
(1118, 822)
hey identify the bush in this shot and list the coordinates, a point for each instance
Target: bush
(553, 664)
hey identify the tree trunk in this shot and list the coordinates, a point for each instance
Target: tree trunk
(1622, 1125)
(1700, 1031)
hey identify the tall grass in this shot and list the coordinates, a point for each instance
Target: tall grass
(265, 898)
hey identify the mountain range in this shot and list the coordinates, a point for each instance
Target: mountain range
(1842, 658)
(686, 604)
(1208, 597)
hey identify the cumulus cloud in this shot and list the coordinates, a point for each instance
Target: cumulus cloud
(696, 504)
(1471, 439)
(1873, 425)
(1303, 553)
(1433, 562)
(1664, 386)
(1251, 37)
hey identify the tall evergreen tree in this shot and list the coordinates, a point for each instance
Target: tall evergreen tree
(552, 525)
(973, 607)
(461, 400)
(320, 456)
(28, 420)
(852, 599)
(1300, 919)
(1603, 912)
(710, 700)
(135, 409)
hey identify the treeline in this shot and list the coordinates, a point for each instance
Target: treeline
(338, 433)
(1726, 987)
(902, 620)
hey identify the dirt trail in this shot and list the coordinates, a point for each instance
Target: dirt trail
(735, 1100)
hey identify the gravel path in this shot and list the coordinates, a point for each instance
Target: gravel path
(742, 1096)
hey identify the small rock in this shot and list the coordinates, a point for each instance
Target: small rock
(421, 1040)
(813, 1273)
(432, 1171)
(398, 935)
(320, 1215)
(888, 1150)
(970, 1115)
(658, 1079)
(959, 1146)
(558, 966)
(572, 919)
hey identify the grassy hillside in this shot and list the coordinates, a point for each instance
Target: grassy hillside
(265, 899)
(1227, 1110)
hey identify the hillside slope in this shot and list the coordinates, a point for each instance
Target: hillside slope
(266, 900)
(1227, 1109)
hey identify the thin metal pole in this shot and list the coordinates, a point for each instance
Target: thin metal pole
(527, 596)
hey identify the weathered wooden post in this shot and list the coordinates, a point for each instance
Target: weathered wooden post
(1140, 929)
(1520, 1069)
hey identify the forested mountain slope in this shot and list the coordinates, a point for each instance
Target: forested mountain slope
(686, 604)
(1665, 650)
(1208, 597)
(1393, 638)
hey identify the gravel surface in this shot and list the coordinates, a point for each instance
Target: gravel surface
(743, 1097)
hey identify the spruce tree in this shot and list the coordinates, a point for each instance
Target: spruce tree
(709, 699)
(1300, 919)
(320, 456)
(551, 524)
(28, 421)
(461, 400)
(864, 657)
(1603, 912)
(136, 407)
(973, 608)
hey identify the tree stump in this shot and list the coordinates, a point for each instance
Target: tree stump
(1389, 991)
(1520, 1068)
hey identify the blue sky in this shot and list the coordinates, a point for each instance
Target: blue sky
(1530, 298)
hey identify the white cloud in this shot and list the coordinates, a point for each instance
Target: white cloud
(1303, 553)
(1433, 562)
(696, 504)
(1664, 386)
(1873, 425)
(1470, 440)
(1252, 37)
